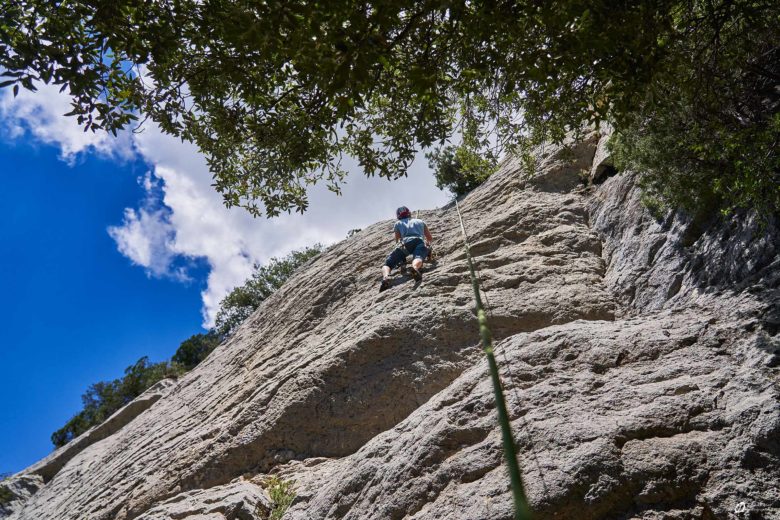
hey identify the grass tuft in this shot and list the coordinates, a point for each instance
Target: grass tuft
(282, 493)
(6, 495)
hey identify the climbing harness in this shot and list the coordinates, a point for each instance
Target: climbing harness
(522, 511)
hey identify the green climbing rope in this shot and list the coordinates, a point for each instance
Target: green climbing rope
(522, 510)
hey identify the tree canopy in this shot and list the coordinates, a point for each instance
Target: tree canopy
(277, 92)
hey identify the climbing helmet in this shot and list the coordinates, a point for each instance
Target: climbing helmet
(403, 212)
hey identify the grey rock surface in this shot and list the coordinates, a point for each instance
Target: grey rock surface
(238, 500)
(16, 490)
(602, 165)
(640, 358)
(49, 466)
(667, 414)
(674, 260)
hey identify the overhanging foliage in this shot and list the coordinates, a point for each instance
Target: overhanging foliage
(276, 92)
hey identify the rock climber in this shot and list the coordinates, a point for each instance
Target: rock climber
(413, 238)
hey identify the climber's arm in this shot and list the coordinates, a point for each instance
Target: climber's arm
(428, 236)
(397, 236)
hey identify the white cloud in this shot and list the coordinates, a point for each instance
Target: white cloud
(41, 115)
(146, 235)
(182, 217)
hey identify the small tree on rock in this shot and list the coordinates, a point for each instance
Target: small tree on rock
(459, 169)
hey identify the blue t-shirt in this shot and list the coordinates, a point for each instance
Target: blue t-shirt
(410, 228)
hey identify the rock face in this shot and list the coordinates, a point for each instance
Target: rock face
(16, 491)
(639, 357)
(49, 466)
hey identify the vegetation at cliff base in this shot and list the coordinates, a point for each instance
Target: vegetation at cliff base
(104, 398)
(276, 93)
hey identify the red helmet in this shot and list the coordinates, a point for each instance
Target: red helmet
(403, 212)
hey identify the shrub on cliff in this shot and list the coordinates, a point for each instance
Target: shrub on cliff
(458, 169)
(194, 349)
(6, 495)
(709, 137)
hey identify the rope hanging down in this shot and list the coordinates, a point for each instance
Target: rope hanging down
(522, 510)
(524, 427)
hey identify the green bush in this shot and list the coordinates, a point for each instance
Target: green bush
(194, 349)
(282, 493)
(6, 495)
(459, 169)
(707, 135)
(683, 170)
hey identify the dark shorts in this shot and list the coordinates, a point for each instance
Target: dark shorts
(413, 246)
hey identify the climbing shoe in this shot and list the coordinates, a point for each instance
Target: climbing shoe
(385, 285)
(417, 275)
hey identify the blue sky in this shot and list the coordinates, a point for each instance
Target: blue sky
(74, 310)
(116, 248)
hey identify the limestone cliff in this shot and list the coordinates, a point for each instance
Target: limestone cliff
(639, 357)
